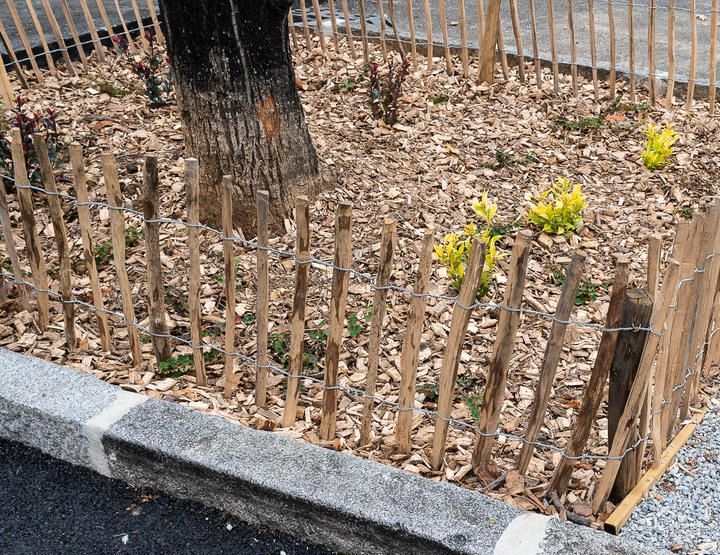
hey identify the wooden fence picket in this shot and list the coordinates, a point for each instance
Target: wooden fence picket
(692, 73)
(413, 38)
(334, 25)
(74, 33)
(41, 37)
(715, 6)
(553, 45)
(9, 239)
(593, 49)
(573, 48)
(92, 29)
(456, 337)
(7, 43)
(24, 40)
(117, 229)
(379, 308)
(534, 39)
(464, 56)
(552, 358)
(517, 32)
(263, 297)
(348, 28)
(651, 52)
(57, 32)
(319, 24)
(230, 284)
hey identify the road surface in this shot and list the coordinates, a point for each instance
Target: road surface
(49, 507)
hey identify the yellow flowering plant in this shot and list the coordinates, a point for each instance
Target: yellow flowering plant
(559, 210)
(454, 251)
(658, 147)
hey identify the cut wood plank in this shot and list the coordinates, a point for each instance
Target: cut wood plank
(61, 241)
(595, 389)
(458, 328)
(385, 266)
(552, 358)
(410, 353)
(507, 328)
(117, 229)
(336, 326)
(637, 393)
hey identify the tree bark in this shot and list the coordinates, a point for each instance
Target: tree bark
(239, 104)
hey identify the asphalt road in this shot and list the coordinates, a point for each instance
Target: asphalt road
(49, 507)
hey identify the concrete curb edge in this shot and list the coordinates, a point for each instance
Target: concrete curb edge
(349, 504)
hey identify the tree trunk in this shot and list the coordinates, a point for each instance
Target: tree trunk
(239, 105)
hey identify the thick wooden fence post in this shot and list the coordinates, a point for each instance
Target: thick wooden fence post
(387, 248)
(639, 389)
(630, 345)
(263, 298)
(297, 320)
(117, 228)
(192, 183)
(32, 240)
(595, 389)
(490, 36)
(458, 328)
(162, 346)
(552, 358)
(340, 285)
(410, 353)
(56, 215)
(507, 327)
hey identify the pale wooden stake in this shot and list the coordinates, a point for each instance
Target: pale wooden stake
(291, 27)
(263, 297)
(381, 16)
(74, 33)
(230, 285)
(140, 24)
(654, 254)
(162, 346)
(573, 48)
(507, 327)
(595, 388)
(24, 39)
(651, 52)
(126, 31)
(631, 49)
(413, 38)
(363, 30)
(297, 320)
(306, 25)
(7, 91)
(393, 22)
(456, 337)
(693, 57)
(106, 21)
(117, 229)
(671, 54)
(444, 28)
(387, 247)
(336, 327)
(80, 184)
(348, 28)
(192, 183)
(10, 247)
(13, 58)
(97, 45)
(63, 248)
(333, 23)
(57, 32)
(463, 39)
(713, 53)
(552, 358)
(409, 356)
(553, 45)
(156, 22)
(429, 33)
(611, 26)
(319, 24)
(32, 240)
(533, 37)
(517, 32)
(503, 55)
(639, 388)
(490, 39)
(41, 36)
(593, 49)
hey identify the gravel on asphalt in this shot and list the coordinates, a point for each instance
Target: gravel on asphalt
(682, 512)
(49, 507)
